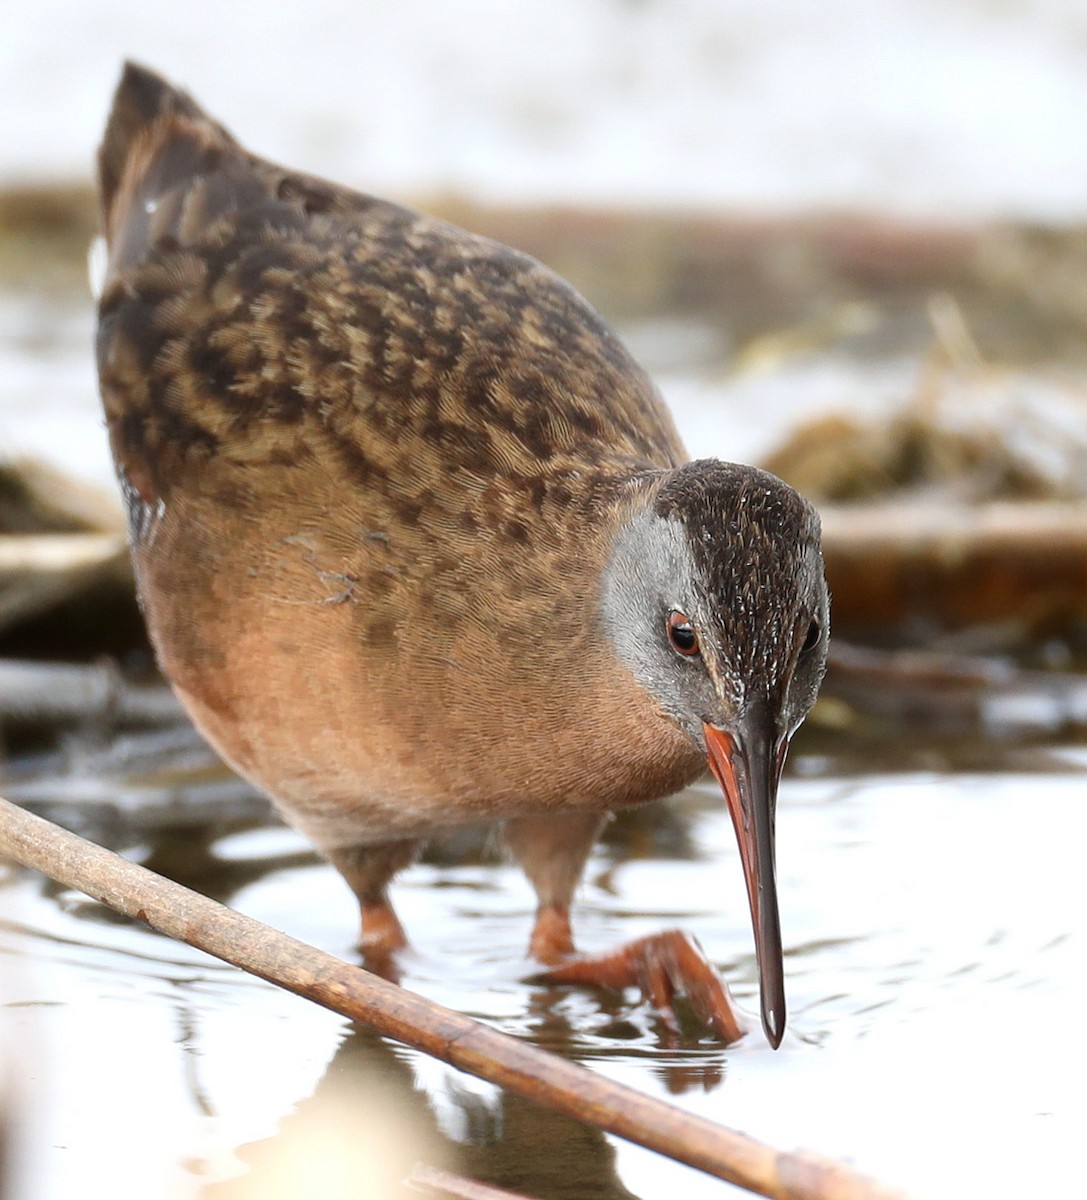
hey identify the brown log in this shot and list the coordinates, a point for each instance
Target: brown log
(954, 694)
(888, 564)
(406, 1017)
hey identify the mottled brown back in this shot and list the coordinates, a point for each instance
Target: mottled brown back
(281, 299)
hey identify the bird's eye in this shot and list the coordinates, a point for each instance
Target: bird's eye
(811, 639)
(681, 633)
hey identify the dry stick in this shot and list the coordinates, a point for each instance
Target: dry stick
(391, 1010)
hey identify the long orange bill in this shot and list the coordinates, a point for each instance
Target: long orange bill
(747, 761)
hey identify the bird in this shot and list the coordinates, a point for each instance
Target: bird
(418, 544)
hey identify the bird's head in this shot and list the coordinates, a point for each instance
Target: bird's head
(715, 599)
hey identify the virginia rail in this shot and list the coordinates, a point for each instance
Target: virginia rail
(418, 544)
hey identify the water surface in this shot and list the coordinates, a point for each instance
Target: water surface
(933, 927)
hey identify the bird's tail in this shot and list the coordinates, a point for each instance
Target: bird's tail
(158, 142)
(143, 104)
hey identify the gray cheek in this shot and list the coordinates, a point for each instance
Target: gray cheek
(683, 691)
(649, 572)
(700, 704)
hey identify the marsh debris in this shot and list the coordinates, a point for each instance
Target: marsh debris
(60, 540)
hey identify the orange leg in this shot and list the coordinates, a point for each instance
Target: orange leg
(368, 870)
(381, 937)
(552, 938)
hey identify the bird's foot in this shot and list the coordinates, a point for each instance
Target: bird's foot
(661, 966)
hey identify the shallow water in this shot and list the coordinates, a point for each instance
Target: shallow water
(933, 926)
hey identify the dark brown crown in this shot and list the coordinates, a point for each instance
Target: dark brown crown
(755, 545)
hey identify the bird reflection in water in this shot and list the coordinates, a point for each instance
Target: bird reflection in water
(380, 1108)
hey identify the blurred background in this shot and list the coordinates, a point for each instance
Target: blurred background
(849, 240)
